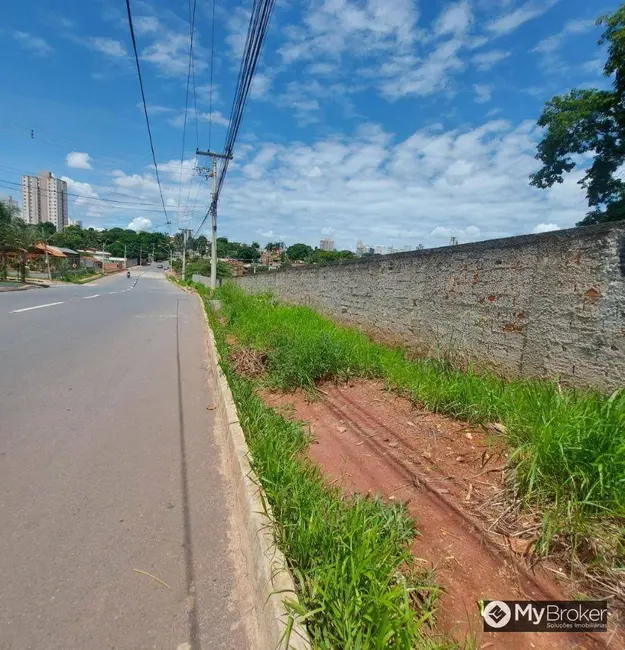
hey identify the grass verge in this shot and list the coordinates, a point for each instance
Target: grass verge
(358, 585)
(567, 446)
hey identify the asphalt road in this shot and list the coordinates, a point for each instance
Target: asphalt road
(109, 468)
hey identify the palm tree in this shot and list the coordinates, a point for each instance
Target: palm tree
(22, 238)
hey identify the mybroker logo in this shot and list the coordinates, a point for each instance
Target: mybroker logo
(544, 615)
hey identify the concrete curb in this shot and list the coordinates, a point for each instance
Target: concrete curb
(271, 581)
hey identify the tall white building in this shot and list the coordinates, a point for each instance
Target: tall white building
(44, 198)
(327, 244)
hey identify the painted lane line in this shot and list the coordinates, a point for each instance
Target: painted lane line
(50, 304)
(111, 293)
(95, 295)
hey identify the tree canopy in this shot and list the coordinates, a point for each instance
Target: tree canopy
(299, 251)
(114, 240)
(590, 121)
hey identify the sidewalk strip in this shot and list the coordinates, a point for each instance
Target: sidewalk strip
(50, 304)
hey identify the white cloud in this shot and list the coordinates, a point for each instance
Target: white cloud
(155, 109)
(108, 46)
(83, 190)
(470, 233)
(552, 43)
(455, 19)
(169, 49)
(472, 182)
(408, 75)
(486, 60)
(146, 24)
(78, 160)
(336, 26)
(260, 85)
(34, 44)
(483, 93)
(513, 20)
(139, 223)
(545, 227)
(468, 182)
(216, 117)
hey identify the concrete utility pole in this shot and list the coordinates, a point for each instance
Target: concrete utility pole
(125, 258)
(213, 172)
(184, 251)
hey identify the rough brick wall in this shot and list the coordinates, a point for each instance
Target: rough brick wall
(549, 305)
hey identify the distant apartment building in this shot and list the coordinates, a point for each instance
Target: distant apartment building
(11, 202)
(361, 249)
(44, 198)
(327, 244)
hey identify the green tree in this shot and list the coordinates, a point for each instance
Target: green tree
(23, 237)
(299, 251)
(590, 121)
(202, 245)
(7, 214)
(46, 230)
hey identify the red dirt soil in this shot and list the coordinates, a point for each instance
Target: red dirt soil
(368, 440)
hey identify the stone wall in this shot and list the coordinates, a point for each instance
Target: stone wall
(549, 305)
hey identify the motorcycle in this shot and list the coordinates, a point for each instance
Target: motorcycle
(127, 274)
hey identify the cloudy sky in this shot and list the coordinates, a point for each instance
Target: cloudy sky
(395, 122)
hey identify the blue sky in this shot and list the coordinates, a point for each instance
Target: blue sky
(398, 123)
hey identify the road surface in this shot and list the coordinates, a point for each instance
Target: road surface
(114, 514)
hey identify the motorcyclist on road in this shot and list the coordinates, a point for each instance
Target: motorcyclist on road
(127, 274)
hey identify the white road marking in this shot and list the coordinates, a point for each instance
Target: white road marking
(95, 295)
(50, 304)
(113, 292)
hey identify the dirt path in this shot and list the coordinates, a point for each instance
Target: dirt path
(369, 440)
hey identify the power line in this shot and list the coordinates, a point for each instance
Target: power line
(210, 88)
(93, 198)
(145, 107)
(186, 101)
(257, 29)
(23, 172)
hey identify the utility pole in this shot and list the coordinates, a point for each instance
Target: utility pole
(184, 251)
(125, 258)
(140, 252)
(152, 252)
(213, 172)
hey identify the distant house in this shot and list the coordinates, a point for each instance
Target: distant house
(271, 259)
(237, 267)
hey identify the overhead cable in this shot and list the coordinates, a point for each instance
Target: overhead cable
(145, 108)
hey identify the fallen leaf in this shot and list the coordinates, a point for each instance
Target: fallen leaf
(427, 454)
(392, 444)
(412, 424)
(520, 546)
(342, 429)
(497, 426)
(211, 408)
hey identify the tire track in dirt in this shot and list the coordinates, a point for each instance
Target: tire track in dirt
(363, 443)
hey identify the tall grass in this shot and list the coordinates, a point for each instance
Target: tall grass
(568, 447)
(358, 586)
